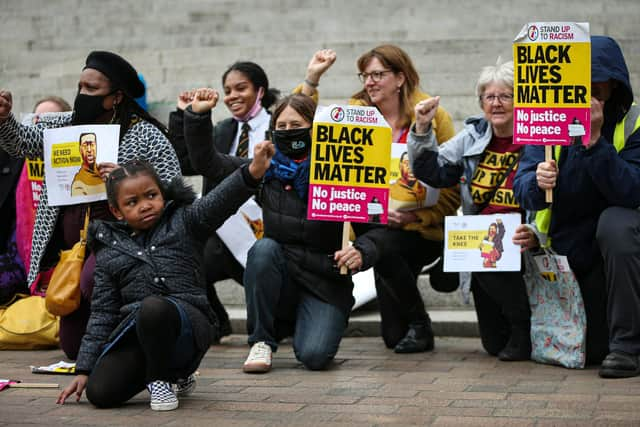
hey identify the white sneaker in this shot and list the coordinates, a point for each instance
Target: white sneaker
(162, 397)
(259, 359)
(185, 387)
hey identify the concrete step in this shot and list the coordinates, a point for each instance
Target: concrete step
(453, 323)
(232, 294)
(449, 314)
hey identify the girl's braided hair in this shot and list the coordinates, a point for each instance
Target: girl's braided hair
(131, 168)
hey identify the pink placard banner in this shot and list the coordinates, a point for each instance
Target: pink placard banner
(343, 203)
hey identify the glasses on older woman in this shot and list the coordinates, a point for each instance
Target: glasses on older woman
(503, 98)
(376, 76)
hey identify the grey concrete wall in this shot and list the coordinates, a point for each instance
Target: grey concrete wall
(181, 44)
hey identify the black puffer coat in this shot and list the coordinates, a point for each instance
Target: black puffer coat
(308, 245)
(168, 263)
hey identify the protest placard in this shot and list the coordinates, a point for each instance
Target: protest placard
(552, 85)
(34, 169)
(241, 230)
(407, 193)
(481, 243)
(350, 157)
(71, 158)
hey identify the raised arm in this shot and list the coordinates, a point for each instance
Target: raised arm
(212, 210)
(21, 140)
(320, 62)
(176, 131)
(438, 166)
(198, 138)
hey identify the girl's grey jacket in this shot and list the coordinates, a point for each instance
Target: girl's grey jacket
(166, 261)
(141, 141)
(457, 158)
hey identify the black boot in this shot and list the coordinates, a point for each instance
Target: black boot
(519, 345)
(419, 338)
(619, 364)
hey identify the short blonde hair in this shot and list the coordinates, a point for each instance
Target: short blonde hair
(502, 72)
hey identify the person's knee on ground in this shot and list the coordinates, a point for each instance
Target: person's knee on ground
(493, 344)
(314, 358)
(492, 325)
(100, 396)
(392, 337)
(393, 325)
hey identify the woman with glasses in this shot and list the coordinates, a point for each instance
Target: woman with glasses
(483, 160)
(413, 237)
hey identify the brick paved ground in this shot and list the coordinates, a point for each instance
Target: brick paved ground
(457, 385)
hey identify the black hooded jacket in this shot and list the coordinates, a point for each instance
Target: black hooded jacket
(590, 180)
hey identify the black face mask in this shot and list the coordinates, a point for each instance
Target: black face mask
(87, 108)
(293, 143)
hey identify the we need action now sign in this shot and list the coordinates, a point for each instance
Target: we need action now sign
(350, 157)
(552, 84)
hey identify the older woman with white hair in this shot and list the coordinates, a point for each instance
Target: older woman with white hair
(483, 160)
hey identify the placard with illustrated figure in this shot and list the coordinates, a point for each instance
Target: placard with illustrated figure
(241, 230)
(481, 243)
(350, 157)
(71, 158)
(406, 192)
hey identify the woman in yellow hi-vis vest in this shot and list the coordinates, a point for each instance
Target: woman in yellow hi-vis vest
(594, 219)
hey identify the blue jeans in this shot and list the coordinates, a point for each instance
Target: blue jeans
(277, 308)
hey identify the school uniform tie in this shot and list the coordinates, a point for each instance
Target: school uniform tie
(243, 141)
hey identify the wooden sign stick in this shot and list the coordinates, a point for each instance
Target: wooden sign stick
(346, 228)
(548, 156)
(34, 385)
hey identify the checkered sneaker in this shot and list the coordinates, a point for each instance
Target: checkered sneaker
(185, 387)
(162, 396)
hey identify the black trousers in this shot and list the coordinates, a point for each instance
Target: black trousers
(594, 297)
(618, 236)
(404, 255)
(143, 355)
(501, 304)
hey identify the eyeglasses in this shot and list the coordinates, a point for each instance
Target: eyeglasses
(376, 76)
(504, 98)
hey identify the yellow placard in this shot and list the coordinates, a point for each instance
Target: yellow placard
(65, 154)
(552, 74)
(35, 169)
(352, 155)
(467, 239)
